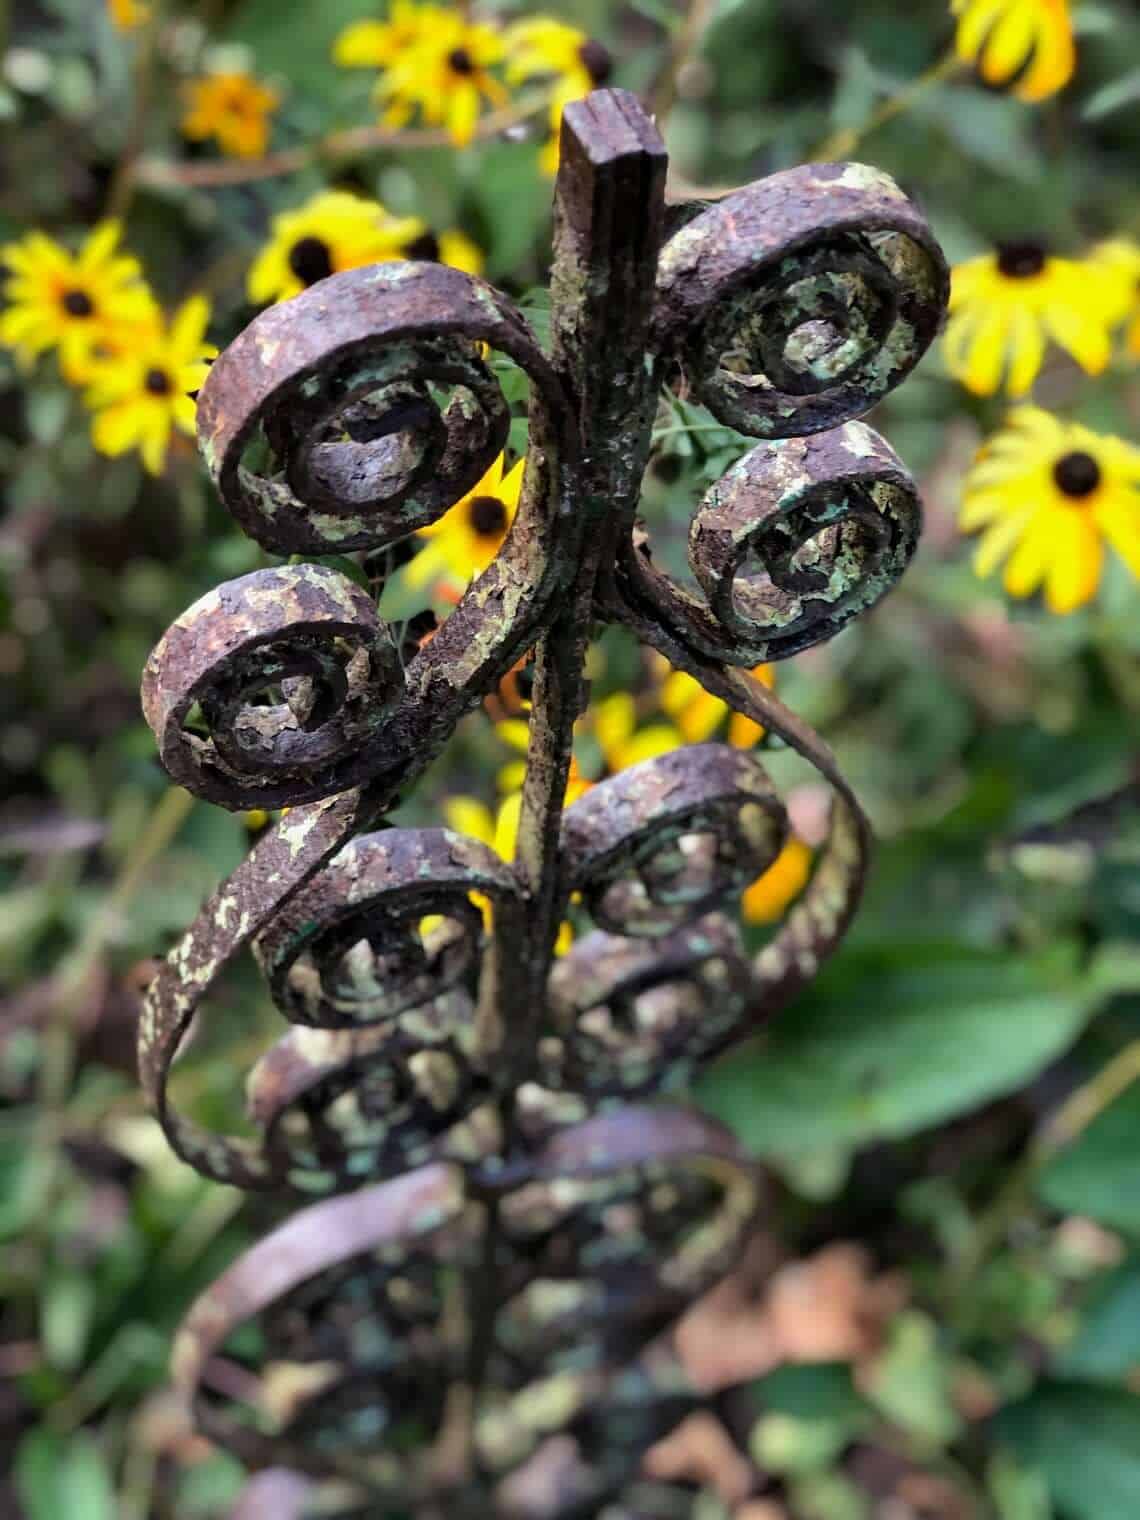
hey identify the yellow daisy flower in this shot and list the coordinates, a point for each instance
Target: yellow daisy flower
(333, 231)
(445, 76)
(1004, 306)
(541, 47)
(464, 541)
(621, 741)
(1027, 40)
(127, 15)
(1046, 497)
(699, 715)
(144, 394)
(1119, 261)
(766, 899)
(81, 304)
(232, 108)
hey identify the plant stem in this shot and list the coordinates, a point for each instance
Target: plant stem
(125, 178)
(843, 142)
(166, 818)
(1064, 1126)
(686, 43)
(351, 143)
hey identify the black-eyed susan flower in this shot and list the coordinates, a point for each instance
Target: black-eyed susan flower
(127, 15)
(234, 109)
(145, 394)
(333, 231)
(765, 901)
(445, 75)
(540, 47)
(1005, 306)
(464, 541)
(699, 715)
(1046, 497)
(1119, 261)
(1029, 42)
(79, 304)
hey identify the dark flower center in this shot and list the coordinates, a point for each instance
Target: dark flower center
(426, 246)
(460, 61)
(1021, 261)
(157, 382)
(77, 303)
(1077, 474)
(597, 60)
(487, 516)
(310, 259)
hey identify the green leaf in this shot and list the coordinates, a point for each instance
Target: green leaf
(1099, 1174)
(1107, 1345)
(1113, 97)
(1086, 1443)
(888, 1042)
(60, 1476)
(813, 1391)
(67, 1308)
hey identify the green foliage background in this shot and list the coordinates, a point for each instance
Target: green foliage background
(918, 1100)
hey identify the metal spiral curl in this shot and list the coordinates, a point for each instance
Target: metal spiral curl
(486, 1331)
(665, 840)
(271, 690)
(353, 947)
(319, 425)
(794, 541)
(606, 1234)
(798, 302)
(625, 1011)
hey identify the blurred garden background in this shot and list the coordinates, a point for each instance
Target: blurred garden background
(940, 1318)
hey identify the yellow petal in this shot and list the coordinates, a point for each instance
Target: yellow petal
(466, 815)
(765, 900)
(982, 372)
(364, 45)
(117, 429)
(1084, 338)
(462, 114)
(1008, 45)
(1029, 561)
(977, 19)
(997, 542)
(100, 245)
(744, 732)
(188, 329)
(1078, 555)
(615, 718)
(1027, 351)
(1055, 58)
(155, 440)
(507, 826)
(1119, 520)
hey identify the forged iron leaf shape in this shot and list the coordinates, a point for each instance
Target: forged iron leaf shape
(482, 1332)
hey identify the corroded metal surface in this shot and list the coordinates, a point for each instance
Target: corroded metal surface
(478, 1326)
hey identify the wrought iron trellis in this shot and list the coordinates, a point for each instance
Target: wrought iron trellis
(475, 1324)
